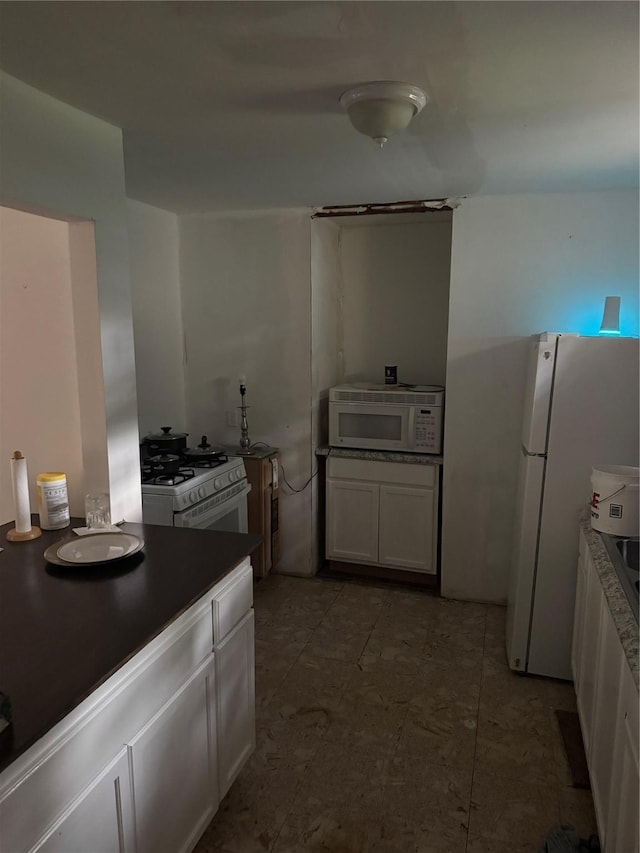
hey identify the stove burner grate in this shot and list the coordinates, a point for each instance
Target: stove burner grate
(209, 463)
(149, 478)
(155, 476)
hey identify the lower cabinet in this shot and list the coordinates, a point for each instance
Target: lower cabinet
(352, 520)
(174, 768)
(100, 819)
(382, 513)
(607, 700)
(235, 666)
(141, 764)
(622, 823)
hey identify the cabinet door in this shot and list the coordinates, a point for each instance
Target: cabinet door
(99, 820)
(622, 825)
(235, 676)
(578, 619)
(406, 528)
(609, 669)
(585, 696)
(352, 521)
(173, 761)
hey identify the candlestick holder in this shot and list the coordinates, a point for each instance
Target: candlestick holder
(245, 441)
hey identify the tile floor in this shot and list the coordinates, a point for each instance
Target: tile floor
(388, 721)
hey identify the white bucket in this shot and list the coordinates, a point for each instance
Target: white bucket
(614, 502)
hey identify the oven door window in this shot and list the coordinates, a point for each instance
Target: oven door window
(385, 427)
(230, 521)
(229, 515)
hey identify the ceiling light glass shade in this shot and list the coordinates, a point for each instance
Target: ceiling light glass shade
(611, 316)
(380, 110)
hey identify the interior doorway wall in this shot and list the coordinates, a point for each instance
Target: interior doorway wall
(51, 388)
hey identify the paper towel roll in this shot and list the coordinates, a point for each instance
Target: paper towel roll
(20, 483)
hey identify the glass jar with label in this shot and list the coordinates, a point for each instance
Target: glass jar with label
(53, 500)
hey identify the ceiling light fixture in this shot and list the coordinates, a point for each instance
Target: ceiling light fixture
(383, 108)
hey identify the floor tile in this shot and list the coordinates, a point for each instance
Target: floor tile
(425, 808)
(368, 726)
(507, 810)
(332, 829)
(332, 641)
(441, 731)
(252, 814)
(576, 810)
(515, 754)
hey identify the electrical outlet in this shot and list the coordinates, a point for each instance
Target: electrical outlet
(233, 418)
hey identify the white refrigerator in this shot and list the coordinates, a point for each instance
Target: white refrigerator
(581, 411)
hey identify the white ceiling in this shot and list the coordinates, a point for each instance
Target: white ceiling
(229, 105)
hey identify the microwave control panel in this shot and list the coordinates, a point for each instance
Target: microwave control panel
(428, 427)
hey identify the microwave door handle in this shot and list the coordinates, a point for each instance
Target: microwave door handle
(411, 437)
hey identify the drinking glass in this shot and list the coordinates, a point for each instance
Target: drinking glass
(97, 511)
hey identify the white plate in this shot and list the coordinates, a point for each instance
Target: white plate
(98, 548)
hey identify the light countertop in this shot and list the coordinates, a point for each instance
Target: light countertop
(381, 455)
(617, 601)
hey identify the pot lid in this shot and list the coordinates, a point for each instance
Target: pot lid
(204, 449)
(163, 459)
(166, 435)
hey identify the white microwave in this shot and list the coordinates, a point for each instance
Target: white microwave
(370, 417)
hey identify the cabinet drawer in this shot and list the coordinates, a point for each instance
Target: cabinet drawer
(403, 473)
(233, 598)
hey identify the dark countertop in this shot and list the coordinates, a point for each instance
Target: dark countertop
(63, 632)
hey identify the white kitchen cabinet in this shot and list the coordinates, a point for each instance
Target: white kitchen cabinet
(382, 513)
(135, 766)
(174, 768)
(352, 521)
(578, 618)
(607, 700)
(622, 824)
(605, 714)
(100, 819)
(405, 540)
(235, 666)
(591, 620)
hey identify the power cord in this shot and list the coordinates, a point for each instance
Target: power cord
(293, 489)
(284, 476)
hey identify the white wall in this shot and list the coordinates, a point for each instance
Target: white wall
(157, 318)
(61, 162)
(520, 265)
(246, 306)
(395, 278)
(39, 405)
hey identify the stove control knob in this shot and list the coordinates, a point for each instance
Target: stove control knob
(217, 483)
(193, 496)
(239, 474)
(230, 477)
(202, 492)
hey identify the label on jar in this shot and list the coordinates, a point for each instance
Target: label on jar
(53, 502)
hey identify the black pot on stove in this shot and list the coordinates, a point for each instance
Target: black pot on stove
(164, 443)
(204, 452)
(162, 465)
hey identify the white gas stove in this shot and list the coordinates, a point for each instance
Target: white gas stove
(213, 498)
